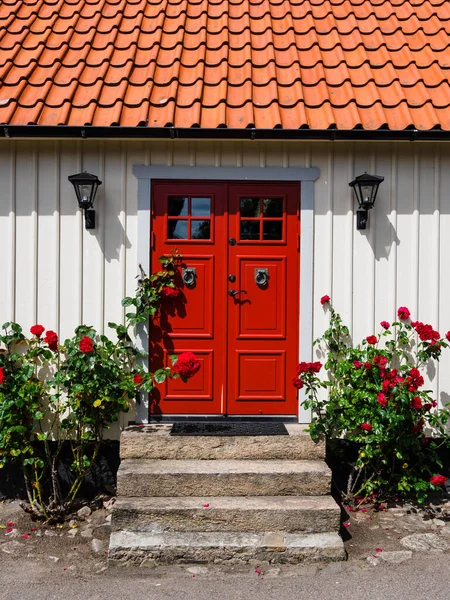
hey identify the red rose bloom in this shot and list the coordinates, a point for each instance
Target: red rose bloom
(51, 338)
(324, 300)
(414, 380)
(380, 360)
(447, 335)
(426, 332)
(430, 405)
(386, 385)
(138, 379)
(438, 480)
(2, 375)
(187, 365)
(372, 339)
(298, 383)
(367, 365)
(357, 364)
(403, 313)
(382, 399)
(308, 367)
(169, 292)
(417, 428)
(385, 324)
(37, 330)
(86, 344)
(416, 403)
(366, 426)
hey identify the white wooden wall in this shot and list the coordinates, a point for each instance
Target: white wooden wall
(56, 273)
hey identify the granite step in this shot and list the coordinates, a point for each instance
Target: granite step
(292, 514)
(175, 478)
(154, 441)
(139, 548)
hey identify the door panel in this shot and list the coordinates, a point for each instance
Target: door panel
(239, 237)
(255, 320)
(260, 375)
(196, 323)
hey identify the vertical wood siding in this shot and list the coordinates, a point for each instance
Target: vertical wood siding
(57, 273)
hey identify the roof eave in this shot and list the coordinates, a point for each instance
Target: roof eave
(197, 133)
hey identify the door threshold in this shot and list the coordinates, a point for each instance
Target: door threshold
(223, 418)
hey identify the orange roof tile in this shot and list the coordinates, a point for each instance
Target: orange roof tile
(226, 63)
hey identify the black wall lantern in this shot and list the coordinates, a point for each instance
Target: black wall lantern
(366, 188)
(85, 186)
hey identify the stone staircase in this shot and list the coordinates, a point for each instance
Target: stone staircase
(223, 499)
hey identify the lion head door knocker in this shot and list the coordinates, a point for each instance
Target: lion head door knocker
(262, 277)
(189, 275)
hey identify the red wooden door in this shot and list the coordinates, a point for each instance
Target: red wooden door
(263, 320)
(235, 236)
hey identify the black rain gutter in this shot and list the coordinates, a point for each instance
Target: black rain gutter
(197, 133)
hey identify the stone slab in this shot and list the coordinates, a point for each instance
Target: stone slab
(154, 441)
(129, 547)
(167, 478)
(312, 514)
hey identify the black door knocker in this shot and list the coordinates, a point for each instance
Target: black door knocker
(262, 277)
(189, 275)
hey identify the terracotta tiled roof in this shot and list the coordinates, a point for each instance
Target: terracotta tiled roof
(226, 63)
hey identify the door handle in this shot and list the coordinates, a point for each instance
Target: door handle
(236, 292)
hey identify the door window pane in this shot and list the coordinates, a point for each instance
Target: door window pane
(200, 230)
(177, 230)
(273, 207)
(272, 230)
(200, 207)
(250, 230)
(250, 207)
(178, 206)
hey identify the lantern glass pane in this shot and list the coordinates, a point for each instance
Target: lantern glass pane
(366, 194)
(85, 193)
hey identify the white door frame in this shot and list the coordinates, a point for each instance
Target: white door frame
(304, 176)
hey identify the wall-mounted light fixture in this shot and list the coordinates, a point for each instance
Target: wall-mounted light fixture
(366, 188)
(85, 186)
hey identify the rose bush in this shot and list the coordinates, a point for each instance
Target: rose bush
(376, 399)
(54, 393)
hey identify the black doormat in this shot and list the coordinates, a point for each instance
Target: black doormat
(239, 428)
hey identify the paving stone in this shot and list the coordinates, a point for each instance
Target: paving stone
(86, 533)
(424, 542)
(197, 570)
(438, 522)
(97, 545)
(11, 547)
(395, 556)
(84, 512)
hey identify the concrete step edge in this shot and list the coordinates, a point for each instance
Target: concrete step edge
(131, 547)
(247, 503)
(213, 467)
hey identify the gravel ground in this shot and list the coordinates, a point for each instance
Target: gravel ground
(391, 554)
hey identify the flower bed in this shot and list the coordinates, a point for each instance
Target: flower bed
(71, 392)
(375, 398)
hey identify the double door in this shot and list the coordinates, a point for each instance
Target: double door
(238, 308)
